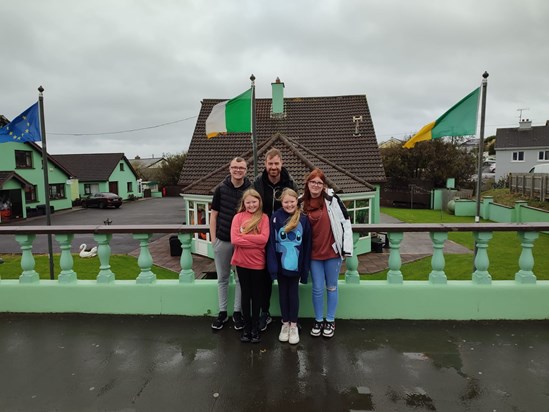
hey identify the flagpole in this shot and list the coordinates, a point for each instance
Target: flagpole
(481, 143)
(46, 180)
(481, 147)
(254, 142)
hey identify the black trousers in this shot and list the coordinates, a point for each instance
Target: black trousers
(267, 291)
(251, 286)
(288, 290)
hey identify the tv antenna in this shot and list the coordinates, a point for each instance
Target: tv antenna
(521, 110)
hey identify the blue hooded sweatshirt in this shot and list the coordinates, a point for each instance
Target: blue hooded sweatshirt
(289, 254)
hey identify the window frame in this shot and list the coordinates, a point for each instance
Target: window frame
(517, 156)
(60, 191)
(28, 159)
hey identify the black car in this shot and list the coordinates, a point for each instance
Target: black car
(102, 200)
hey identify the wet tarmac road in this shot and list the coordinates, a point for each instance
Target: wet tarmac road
(91, 363)
(166, 210)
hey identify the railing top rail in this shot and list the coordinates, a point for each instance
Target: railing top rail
(359, 228)
(452, 227)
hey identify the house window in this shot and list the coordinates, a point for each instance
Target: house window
(30, 194)
(121, 167)
(359, 210)
(23, 159)
(57, 191)
(543, 155)
(518, 156)
(91, 188)
(130, 187)
(199, 214)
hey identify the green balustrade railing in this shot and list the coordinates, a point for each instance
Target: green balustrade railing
(391, 298)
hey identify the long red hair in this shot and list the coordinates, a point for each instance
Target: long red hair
(306, 193)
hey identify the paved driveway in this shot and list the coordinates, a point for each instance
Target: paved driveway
(147, 211)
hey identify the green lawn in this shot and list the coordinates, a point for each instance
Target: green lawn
(124, 267)
(503, 251)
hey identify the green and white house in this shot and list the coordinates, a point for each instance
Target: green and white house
(332, 133)
(102, 172)
(22, 190)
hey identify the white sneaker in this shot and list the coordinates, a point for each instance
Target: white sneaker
(294, 335)
(284, 333)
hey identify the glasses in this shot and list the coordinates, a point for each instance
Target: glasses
(316, 183)
(238, 168)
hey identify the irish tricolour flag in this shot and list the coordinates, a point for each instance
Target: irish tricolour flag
(231, 116)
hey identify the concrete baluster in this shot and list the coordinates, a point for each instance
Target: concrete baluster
(394, 275)
(66, 262)
(351, 274)
(438, 262)
(187, 273)
(105, 274)
(526, 259)
(29, 275)
(481, 274)
(145, 260)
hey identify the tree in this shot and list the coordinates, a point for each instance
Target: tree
(432, 162)
(169, 172)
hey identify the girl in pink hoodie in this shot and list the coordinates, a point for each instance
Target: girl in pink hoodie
(249, 235)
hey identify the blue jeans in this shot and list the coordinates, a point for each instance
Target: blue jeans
(325, 274)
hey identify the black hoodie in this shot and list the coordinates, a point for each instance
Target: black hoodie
(270, 193)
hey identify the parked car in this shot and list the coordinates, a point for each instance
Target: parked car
(102, 200)
(541, 168)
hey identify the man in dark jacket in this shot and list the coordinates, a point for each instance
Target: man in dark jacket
(225, 201)
(270, 184)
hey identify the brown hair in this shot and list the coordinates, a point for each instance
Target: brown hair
(253, 224)
(273, 152)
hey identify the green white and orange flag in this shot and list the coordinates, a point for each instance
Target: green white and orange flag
(231, 116)
(460, 120)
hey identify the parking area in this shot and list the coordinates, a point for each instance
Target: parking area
(166, 210)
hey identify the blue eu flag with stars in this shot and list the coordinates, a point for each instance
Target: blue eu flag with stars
(24, 128)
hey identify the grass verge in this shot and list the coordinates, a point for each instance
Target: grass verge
(503, 250)
(123, 266)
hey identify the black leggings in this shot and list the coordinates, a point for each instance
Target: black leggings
(251, 286)
(288, 290)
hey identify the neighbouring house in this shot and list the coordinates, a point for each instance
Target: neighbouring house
(333, 133)
(22, 186)
(518, 149)
(102, 172)
(148, 169)
(392, 142)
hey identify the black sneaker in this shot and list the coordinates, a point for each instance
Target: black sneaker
(264, 320)
(238, 320)
(246, 336)
(329, 329)
(255, 336)
(222, 318)
(317, 328)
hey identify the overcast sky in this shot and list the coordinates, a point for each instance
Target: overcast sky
(110, 65)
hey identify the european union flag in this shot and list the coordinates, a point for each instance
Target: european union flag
(24, 128)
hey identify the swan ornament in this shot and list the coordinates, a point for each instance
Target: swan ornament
(87, 253)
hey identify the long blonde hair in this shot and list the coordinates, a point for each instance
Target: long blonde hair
(253, 224)
(293, 220)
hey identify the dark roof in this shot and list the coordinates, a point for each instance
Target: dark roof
(92, 167)
(514, 137)
(7, 175)
(315, 132)
(50, 158)
(146, 162)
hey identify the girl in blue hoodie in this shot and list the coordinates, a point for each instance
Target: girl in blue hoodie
(288, 260)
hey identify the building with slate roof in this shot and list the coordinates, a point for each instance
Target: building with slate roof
(22, 189)
(333, 133)
(518, 149)
(102, 172)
